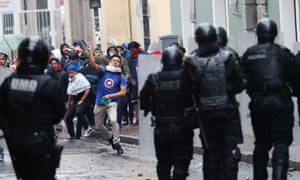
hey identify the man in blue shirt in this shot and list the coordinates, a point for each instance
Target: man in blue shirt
(112, 85)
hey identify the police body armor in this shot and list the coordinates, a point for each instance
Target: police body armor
(166, 98)
(25, 97)
(264, 69)
(212, 81)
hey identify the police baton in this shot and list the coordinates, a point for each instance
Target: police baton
(202, 132)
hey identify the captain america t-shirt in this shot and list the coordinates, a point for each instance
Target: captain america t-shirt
(109, 84)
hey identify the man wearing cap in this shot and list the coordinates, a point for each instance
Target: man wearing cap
(74, 60)
(78, 90)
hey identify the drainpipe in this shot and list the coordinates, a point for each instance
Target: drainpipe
(130, 21)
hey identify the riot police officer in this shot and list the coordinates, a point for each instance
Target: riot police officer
(237, 136)
(267, 66)
(213, 76)
(31, 102)
(161, 96)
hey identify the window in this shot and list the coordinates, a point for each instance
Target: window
(8, 23)
(41, 4)
(146, 23)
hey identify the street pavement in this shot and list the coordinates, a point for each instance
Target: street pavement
(131, 135)
(92, 158)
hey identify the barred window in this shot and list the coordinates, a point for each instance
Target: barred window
(8, 23)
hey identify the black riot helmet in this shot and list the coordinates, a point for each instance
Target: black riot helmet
(33, 54)
(205, 34)
(206, 38)
(266, 30)
(221, 36)
(171, 58)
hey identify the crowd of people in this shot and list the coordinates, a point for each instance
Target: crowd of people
(99, 94)
(94, 92)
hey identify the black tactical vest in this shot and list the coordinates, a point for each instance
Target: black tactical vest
(212, 82)
(28, 108)
(166, 100)
(263, 69)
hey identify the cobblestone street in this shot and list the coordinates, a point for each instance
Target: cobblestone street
(94, 159)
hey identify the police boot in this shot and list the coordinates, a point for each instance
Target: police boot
(279, 171)
(236, 154)
(212, 173)
(211, 170)
(230, 168)
(280, 162)
(180, 173)
(260, 162)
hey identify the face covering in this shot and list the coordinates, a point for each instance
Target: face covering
(111, 54)
(135, 52)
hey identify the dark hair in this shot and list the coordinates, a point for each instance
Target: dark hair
(119, 46)
(116, 55)
(182, 49)
(174, 43)
(53, 59)
(79, 43)
(61, 47)
(74, 56)
(111, 47)
(4, 55)
(133, 44)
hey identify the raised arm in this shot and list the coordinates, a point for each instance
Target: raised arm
(91, 56)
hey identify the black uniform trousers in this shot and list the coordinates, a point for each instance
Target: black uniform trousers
(218, 161)
(272, 122)
(174, 148)
(33, 155)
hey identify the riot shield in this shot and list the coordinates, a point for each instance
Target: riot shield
(147, 64)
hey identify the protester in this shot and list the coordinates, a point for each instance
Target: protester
(135, 51)
(77, 105)
(112, 86)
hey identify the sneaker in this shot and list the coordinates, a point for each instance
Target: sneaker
(110, 140)
(1, 157)
(134, 121)
(87, 132)
(119, 149)
(124, 123)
